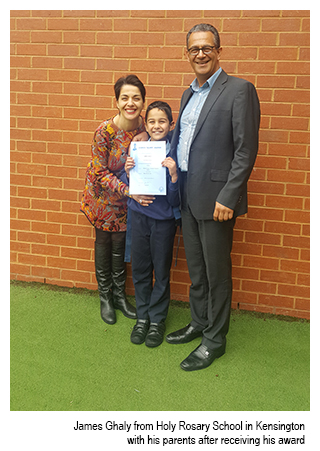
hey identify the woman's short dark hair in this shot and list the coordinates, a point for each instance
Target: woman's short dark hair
(163, 106)
(205, 27)
(129, 80)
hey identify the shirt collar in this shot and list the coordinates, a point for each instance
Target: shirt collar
(209, 83)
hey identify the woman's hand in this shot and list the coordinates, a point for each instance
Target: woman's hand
(171, 165)
(129, 164)
(143, 200)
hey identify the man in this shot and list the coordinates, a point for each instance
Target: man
(215, 143)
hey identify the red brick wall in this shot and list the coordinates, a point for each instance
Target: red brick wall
(63, 67)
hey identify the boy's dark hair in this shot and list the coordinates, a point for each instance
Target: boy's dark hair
(129, 80)
(163, 106)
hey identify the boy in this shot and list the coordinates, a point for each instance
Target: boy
(153, 230)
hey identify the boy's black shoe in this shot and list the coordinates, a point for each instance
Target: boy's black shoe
(155, 334)
(140, 331)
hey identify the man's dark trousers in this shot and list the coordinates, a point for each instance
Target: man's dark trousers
(208, 246)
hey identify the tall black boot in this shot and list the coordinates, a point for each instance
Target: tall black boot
(119, 276)
(104, 279)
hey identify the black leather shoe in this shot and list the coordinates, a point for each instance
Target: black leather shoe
(200, 358)
(184, 335)
(140, 331)
(155, 334)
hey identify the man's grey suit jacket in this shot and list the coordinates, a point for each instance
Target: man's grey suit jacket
(224, 146)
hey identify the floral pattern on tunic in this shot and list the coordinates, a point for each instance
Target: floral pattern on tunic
(104, 200)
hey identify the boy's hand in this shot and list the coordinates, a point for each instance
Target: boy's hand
(129, 164)
(171, 165)
(141, 137)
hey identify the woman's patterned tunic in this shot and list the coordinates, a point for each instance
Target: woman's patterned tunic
(104, 199)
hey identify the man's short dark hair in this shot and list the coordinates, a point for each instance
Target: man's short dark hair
(129, 80)
(205, 27)
(163, 106)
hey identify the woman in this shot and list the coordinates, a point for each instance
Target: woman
(104, 200)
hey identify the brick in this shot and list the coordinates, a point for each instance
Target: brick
(58, 262)
(292, 96)
(64, 75)
(111, 38)
(275, 81)
(70, 252)
(60, 194)
(284, 301)
(31, 24)
(46, 36)
(142, 38)
(75, 276)
(256, 67)
(33, 99)
(31, 49)
(32, 237)
(63, 50)
(164, 25)
(47, 87)
(290, 39)
(281, 25)
(302, 304)
(111, 64)
(61, 240)
(130, 24)
(248, 25)
(280, 252)
(284, 202)
(19, 270)
(260, 287)
(32, 192)
(44, 249)
(286, 176)
(45, 272)
(297, 216)
(62, 124)
(63, 24)
(79, 63)
(128, 52)
(61, 218)
(293, 67)
(95, 51)
(63, 100)
(96, 24)
(146, 65)
(45, 227)
(294, 290)
(303, 243)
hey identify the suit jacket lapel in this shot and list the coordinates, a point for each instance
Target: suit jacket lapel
(213, 95)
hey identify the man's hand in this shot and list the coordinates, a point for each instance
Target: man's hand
(222, 213)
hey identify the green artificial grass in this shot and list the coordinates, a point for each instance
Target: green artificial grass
(65, 358)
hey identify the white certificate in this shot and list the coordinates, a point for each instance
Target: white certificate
(148, 176)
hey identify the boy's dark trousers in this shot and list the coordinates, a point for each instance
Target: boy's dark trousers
(152, 249)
